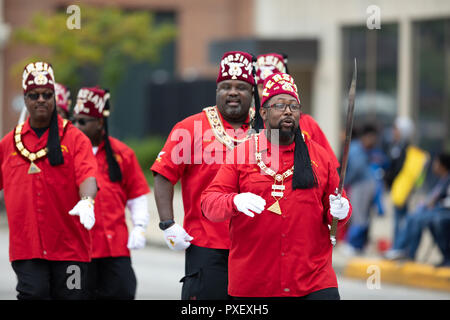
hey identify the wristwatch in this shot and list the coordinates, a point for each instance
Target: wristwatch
(92, 201)
(163, 225)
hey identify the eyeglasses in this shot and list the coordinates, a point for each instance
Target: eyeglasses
(82, 121)
(35, 96)
(282, 106)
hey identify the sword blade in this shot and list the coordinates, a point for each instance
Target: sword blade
(348, 130)
(346, 148)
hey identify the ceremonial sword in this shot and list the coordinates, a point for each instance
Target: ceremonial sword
(348, 138)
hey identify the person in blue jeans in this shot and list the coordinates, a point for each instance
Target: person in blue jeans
(431, 213)
(361, 185)
(395, 146)
(440, 223)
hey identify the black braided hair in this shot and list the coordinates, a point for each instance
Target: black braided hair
(115, 174)
(258, 123)
(285, 60)
(54, 155)
(304, 176)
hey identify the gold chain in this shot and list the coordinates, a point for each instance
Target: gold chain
(279, 177)
(31, 156)
(218, 129)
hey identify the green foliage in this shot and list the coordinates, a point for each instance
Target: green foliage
(146, 151)
(108, 40)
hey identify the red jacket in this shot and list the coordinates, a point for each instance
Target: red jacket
(193, 155)
(311, 129)
(275, 255)
(38, 205)
(110, 232)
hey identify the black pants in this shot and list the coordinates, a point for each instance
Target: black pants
(111, 278)
(206, 274)
(324, 294)
(43, 279)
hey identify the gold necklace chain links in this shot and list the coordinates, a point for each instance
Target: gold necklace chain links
(218, 129)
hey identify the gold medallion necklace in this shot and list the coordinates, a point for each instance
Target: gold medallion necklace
(278, 186)
(30, 156)
(219, 131)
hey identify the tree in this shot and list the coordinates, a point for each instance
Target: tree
(108, 40)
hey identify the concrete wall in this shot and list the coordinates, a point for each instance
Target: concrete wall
(322, 20)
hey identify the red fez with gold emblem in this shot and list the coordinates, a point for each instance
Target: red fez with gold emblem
(92, 102)
(279, 83)
(236, 65)
(62, 95)
(38, 75)
(267, 64)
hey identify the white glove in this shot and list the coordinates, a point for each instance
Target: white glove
(245, 202)
(136, 240)
(177, 238)
(84, 209)
(339, 207)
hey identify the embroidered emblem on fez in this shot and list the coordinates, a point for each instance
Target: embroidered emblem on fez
(235, 69)
(40, 79)
(236, 66)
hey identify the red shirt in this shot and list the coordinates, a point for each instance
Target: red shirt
(38, 204)
(311, 129)
(110, 232)
(196, 165)
(275, 255)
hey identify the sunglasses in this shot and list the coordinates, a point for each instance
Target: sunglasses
(82, 121)
(35, 96)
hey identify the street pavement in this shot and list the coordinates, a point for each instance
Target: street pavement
(159, 269)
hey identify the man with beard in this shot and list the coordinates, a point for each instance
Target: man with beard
(270, 63)
(193, 153)
(48, 176)
(285, 250)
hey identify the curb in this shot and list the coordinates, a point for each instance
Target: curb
(403, 273)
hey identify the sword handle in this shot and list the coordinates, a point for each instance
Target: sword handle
(333, 231)
(334, 224)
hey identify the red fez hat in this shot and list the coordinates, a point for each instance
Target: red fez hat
(62, 95)
(92, 102)
(267, 64)
(279, 83)
(38, 75)
(236, 65)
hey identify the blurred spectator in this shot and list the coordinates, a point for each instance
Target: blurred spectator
(361, 185)
(433, 212)
(404, 167)
(440, 222)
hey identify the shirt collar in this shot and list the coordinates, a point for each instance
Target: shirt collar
(27, 128)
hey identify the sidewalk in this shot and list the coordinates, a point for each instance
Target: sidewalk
(403, 273)
(420, 273)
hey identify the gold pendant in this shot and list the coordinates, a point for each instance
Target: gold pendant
(33, 169)
(275, 208)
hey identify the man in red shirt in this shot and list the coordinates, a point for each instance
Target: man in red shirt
(285, 250)
(48, 176)
(111, 275)
(193, 153)
(270, 63)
